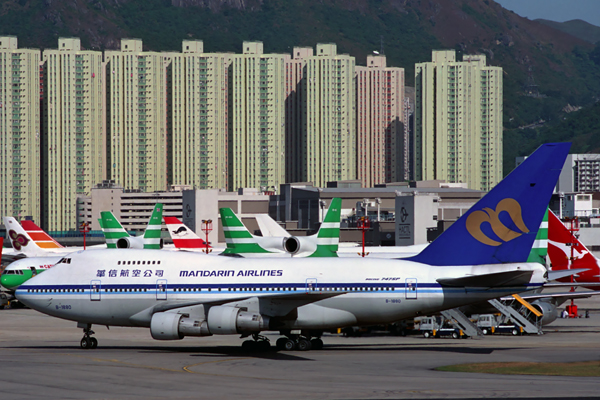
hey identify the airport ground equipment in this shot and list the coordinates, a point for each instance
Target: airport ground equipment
(531, 325)
(460, 321)
(437, 327)
(489, 325)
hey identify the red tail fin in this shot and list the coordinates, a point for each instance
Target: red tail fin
(560, 253)
(183, 237)
(41, 238)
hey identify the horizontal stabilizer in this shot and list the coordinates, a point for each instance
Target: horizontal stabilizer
(498, 279)
(553, 275)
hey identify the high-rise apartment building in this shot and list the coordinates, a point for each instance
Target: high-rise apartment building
(20, 135)
(329, 145)
(199, 113)
(458, 120)
(295, 112)
(257, 119)
(74, 139)
(137, 116)
(381, 141)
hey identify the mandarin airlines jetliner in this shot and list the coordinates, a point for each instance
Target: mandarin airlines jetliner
(481, 256)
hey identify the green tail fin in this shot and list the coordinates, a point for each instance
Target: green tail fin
(153, 230)
(539, 251)
(328, 236)
(237, 237)
(112, 229)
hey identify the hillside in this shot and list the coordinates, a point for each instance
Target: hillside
(545, 69)
(578, 28)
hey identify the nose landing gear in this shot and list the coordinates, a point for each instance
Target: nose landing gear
(88, 342)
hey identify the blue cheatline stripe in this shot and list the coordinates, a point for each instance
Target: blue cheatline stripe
(266, 288)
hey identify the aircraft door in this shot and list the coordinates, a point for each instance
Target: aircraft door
(95, 287)
(411, 288)
(311, 285)
(33, 271)
(161, 289)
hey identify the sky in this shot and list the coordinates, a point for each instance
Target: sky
(555, 10)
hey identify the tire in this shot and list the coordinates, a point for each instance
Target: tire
(280, 343)
(85, 343)
(289, 345)
(263, 345)
(426, 334)
(303, 345)
(316, 344)
(93, 343)
(249, 345)
(484, 331)
(514, 332)
(454, 335)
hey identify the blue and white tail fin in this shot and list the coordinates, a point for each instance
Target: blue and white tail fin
(502, 226)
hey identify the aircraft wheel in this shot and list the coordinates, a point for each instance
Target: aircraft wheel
(514, 332)
(289, 345)
(263, 345)
(280, 343)
(93, 343)
(316, 344)
(426, 334)
(303, 345)
(249, 345)
(85, 343)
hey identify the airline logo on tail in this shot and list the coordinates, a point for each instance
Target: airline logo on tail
(182, 236)
(477, 218)
(18, 240)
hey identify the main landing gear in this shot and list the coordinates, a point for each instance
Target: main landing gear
(300, 343)
(88, 342)
(257, 344)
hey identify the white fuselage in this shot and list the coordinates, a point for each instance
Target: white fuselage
(125, 287)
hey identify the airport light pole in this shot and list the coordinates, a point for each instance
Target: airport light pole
(206, 228)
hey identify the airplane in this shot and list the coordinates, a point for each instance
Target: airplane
(560, 244)
(47, 252)
(183, 237)
(118, 238)
(324, 243)
(176, 294)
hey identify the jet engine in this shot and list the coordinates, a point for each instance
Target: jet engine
(296, 245)
(172, 326)
(549, 311)
(230, 320)
(133, 243)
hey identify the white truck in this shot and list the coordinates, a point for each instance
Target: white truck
(489, 325)
(437, 327)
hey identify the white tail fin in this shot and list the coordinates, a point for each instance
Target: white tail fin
(183, 237)
(269, 227)
(20, 240)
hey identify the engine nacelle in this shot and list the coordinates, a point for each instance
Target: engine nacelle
(549, 311)
(297, 244)
(231, 320)
(172, 326)
(133, 243)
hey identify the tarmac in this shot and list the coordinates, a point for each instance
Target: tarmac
(40, 357)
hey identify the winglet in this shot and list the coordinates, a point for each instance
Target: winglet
(237, 237)
(502, 226)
